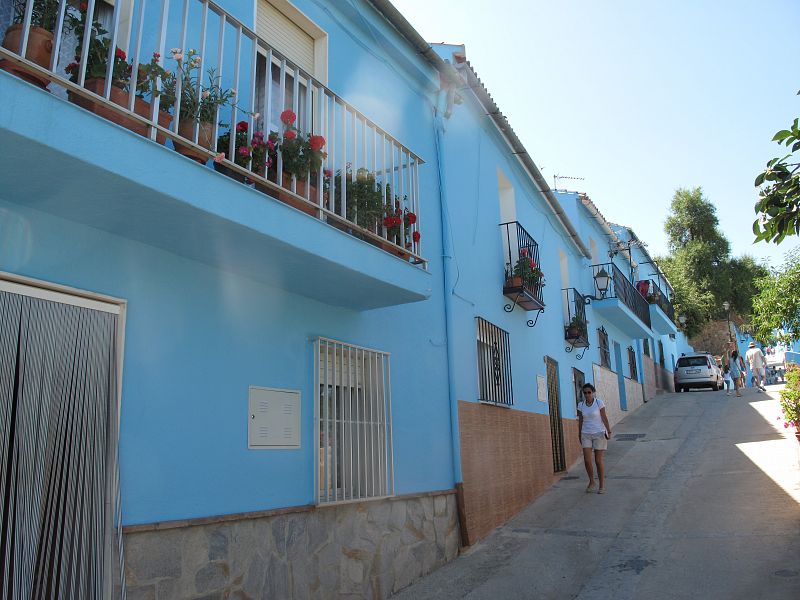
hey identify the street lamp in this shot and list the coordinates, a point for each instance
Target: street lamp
(601, 281)
(682, 320)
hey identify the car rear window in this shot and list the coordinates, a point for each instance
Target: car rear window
(692, 361)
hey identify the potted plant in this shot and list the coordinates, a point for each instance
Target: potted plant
(525, 273)
(790, 400)
(576, 329)
(399, 223)
(256, 153)
(199, 102)
(95, 79)
(301, 156)
(40, 38)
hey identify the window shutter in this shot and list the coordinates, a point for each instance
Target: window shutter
(285, 36)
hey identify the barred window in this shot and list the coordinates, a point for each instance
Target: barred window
(605, 353)
(646, 345)
(632, 362)
(494, 364)
(660, 353)
(354, 423)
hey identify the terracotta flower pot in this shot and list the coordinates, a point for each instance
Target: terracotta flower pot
(120, 97)
(205, 138)
(514, 282)
(288, 198)
(39, 51)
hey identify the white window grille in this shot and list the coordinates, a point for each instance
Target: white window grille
(354, 423)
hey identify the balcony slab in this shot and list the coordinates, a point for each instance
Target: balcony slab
(623, 318)
(63, 160)
(662, 324)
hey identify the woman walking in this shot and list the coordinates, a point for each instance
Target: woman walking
(736, 365)
(593, 431)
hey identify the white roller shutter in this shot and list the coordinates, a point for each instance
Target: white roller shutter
(285, 36)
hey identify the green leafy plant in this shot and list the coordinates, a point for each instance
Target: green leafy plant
(199, 101)
(790, 398)
(364, 197)
(399, 222)
(528, 270)
(99, 46)
(300, 154)
(44, 13)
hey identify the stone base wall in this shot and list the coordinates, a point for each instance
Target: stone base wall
(634, 394)
(605, 381)
(650, 383)
(507, 462)
(363, 550)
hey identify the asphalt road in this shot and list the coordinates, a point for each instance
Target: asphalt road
(703, 501)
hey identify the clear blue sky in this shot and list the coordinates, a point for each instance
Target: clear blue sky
(638, 97)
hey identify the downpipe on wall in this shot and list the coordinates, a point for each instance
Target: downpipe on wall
(442, 110)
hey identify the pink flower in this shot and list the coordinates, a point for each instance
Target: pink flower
(219, 157)
(327, 173)
(205, 94)
(271, 144)
(523, 252)
(785, 425)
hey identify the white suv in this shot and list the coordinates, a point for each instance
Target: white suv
(697, 370)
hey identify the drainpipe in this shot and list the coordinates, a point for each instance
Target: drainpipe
(441, 109)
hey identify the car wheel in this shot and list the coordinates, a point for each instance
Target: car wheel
(678, 389)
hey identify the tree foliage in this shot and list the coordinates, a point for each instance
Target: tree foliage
(778, 205)
(700, 268)
(777, 305)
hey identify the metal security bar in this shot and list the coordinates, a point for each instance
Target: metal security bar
(632, 363)
(524, 278)
(494, 364)
(620, 287)
(353, 423)
(605, 352)
(367, 182)
(556, 425)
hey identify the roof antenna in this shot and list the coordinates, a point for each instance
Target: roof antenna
(557, 177)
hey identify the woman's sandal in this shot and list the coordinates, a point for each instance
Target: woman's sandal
(601, 491)
(590, 488)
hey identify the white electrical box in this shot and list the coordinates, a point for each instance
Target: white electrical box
(273, 419)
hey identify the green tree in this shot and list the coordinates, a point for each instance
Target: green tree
(702, 273)
(778, 206)
(777, 305)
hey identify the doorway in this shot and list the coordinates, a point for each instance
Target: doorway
(58, 439)
(556, 426)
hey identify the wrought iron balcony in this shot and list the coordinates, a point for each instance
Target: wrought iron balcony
(621, 288)
(654, 295)
(524, 278)
(576, 329)
(199, 78)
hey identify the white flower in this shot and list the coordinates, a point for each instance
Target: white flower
(178, 56)
(233, 91)
(256, 115)
(176, 50)
(205, 94)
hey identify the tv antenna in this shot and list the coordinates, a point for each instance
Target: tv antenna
(557, 177)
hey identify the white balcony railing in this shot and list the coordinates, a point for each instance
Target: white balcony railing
(366, 182)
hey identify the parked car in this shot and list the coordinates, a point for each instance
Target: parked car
(698, 370)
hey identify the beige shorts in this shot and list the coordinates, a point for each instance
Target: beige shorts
(598, 441)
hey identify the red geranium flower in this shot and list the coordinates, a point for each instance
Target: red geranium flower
(288, 117)
(317, 142)
(156, 55)
(415, 236)
(241, 126)
(290, 135)
(412, 218)
(397, 220)
(119, 53)
(388, 222)
(327, 173)
(523, 252)
(84, 6)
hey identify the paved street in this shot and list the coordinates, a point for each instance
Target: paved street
(705, 504)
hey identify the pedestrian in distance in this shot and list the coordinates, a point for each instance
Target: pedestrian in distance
(728, 379)
(736, 366)
(755, 358)
(593, 432)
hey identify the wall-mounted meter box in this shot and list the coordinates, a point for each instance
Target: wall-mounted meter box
(273, 419)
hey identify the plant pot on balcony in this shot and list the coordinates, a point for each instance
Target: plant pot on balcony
(39, 51)
(120, 97)
(205, 139)
(573, 333)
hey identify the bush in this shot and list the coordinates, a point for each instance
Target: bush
(790, 397)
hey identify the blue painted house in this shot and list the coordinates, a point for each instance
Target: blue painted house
(297, 318)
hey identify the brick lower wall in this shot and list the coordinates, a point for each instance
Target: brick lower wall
(665, 380)
(633, 394)
(607, 386)
(650, 378)
(507, 461)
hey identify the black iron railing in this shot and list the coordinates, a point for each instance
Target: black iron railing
(524, 278)
(576, 329)
(620, 287)
(655, 295)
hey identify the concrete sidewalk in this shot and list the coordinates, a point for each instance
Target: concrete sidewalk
(704, 503)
